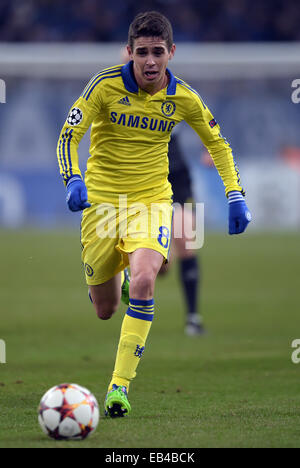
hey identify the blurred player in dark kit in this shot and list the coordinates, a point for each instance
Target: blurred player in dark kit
(189, 267)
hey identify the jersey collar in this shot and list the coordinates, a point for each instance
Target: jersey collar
(132, 86)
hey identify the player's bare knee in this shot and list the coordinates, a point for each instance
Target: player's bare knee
(105, 310)
(103, 314)
(142, 284)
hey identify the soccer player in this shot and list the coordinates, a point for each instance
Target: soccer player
(125, 195)
(189, 267)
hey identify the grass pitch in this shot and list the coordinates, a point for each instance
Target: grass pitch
(234, 387)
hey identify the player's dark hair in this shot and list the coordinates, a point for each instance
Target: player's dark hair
(150, 24)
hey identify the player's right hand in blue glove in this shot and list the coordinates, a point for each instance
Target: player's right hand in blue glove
(239, 214)
(77, 194)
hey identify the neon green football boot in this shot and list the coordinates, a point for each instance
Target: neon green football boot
(116, 403)
(125, 287)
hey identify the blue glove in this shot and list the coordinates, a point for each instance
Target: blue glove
(239, 215)
(77, 194)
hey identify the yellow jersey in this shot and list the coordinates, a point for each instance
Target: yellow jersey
(130, 131)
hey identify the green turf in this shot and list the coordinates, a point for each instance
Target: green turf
(234, 387)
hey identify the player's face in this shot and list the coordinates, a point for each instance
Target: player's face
(150, 56)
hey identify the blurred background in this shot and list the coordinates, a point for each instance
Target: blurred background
(242, 56)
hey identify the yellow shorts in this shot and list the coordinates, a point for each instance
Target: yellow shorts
(109, 233)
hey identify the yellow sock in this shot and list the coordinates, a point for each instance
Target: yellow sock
(134, 332)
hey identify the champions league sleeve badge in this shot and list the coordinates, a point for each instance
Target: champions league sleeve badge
(75, 116)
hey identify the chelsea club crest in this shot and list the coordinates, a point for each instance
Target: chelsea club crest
(88, 269)
(168, 108)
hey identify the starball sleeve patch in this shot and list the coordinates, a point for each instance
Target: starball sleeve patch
(75, 116)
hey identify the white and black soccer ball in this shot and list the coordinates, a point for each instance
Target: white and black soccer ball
(68, 411)
(75, 116)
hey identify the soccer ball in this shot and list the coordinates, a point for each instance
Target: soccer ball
(68, 411)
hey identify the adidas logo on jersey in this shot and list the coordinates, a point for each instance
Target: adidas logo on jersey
(125, 101)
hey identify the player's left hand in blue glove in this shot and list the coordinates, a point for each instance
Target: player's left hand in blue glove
(77, 194)
(239, 214)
